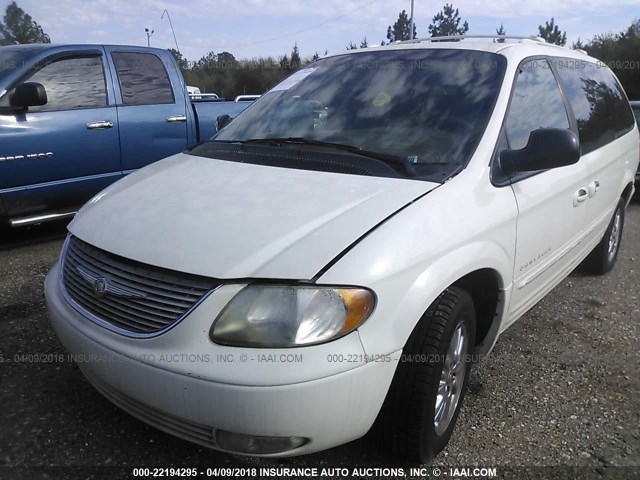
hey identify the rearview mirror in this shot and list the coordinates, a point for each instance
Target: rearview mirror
(222, 121)
(547, 148)
(29, 94)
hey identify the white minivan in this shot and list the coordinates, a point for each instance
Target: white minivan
(338, 256)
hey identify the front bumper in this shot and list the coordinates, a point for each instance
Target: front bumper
(328, 410)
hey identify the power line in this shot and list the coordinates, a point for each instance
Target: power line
(306, 29)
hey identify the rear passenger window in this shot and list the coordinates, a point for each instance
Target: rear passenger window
(536, 103)
(598, 102)
(143, 79)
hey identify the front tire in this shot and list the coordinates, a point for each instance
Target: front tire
(602, 259)
(423, 403)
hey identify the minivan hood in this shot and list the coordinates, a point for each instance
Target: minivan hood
(228, 220)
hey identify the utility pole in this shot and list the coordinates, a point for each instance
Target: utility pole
(411, 22)
(171, 25)
(149, 34)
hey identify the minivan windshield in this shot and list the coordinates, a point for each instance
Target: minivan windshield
(421, 111)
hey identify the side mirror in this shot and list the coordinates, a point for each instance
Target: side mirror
(29, 94)
(547, 148)
(222, 121)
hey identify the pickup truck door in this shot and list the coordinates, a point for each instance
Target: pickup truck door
(60, 154)
(152, 110)
(551, 203)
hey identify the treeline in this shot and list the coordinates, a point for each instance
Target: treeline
(223, 74)
(621, 52)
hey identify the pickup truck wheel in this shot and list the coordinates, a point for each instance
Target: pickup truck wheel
(425, 397)
(603, 257)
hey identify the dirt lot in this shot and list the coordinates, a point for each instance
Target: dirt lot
(560, 389)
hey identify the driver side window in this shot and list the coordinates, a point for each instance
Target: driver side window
(536, 103)
(72, 83)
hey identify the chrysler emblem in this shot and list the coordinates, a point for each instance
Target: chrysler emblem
(101, 286)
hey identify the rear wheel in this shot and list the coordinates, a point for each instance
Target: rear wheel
(423, 403)
(603, 257)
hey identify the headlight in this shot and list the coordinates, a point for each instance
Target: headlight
(275, 316)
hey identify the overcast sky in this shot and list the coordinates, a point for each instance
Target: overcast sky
(253, 28)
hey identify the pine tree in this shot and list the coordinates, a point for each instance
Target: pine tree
(552, 34)
(295, 57)
(400, 29)
(284, 62)
(577, 45)
(501, 31)
(447, 23)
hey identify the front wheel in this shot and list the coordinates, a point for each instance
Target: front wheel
(423, 403)
(604, 255)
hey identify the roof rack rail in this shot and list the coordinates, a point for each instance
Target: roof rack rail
(464, 37)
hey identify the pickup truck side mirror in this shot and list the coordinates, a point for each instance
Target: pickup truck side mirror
(222, 121)
(28, 94)
(547, 148)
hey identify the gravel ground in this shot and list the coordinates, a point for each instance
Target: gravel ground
(560, 389)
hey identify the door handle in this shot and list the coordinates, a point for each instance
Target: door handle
(176, 118)
(101, 125)
(580, 196)
(593, 188)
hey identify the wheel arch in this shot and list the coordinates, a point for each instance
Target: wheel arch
(484, 269)
(627, 193)
(488, 298)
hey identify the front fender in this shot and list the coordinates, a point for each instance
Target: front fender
(418, 253)
(403, 298)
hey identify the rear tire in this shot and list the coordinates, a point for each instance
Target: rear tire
(602, 259)
(425, 397)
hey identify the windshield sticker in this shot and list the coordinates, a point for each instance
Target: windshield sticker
(293, 79)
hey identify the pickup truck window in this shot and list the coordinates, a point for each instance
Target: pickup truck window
(598, 101)
(71, 84)
(13, 57)
(425, 108)
(536, 103)
(143, 79)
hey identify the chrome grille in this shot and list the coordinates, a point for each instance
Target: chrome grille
(129, 295)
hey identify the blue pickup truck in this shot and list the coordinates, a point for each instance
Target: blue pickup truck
(76, 118)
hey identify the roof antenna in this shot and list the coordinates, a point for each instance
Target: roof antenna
(171, 25)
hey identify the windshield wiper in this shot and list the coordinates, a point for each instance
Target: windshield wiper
(407, 166)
